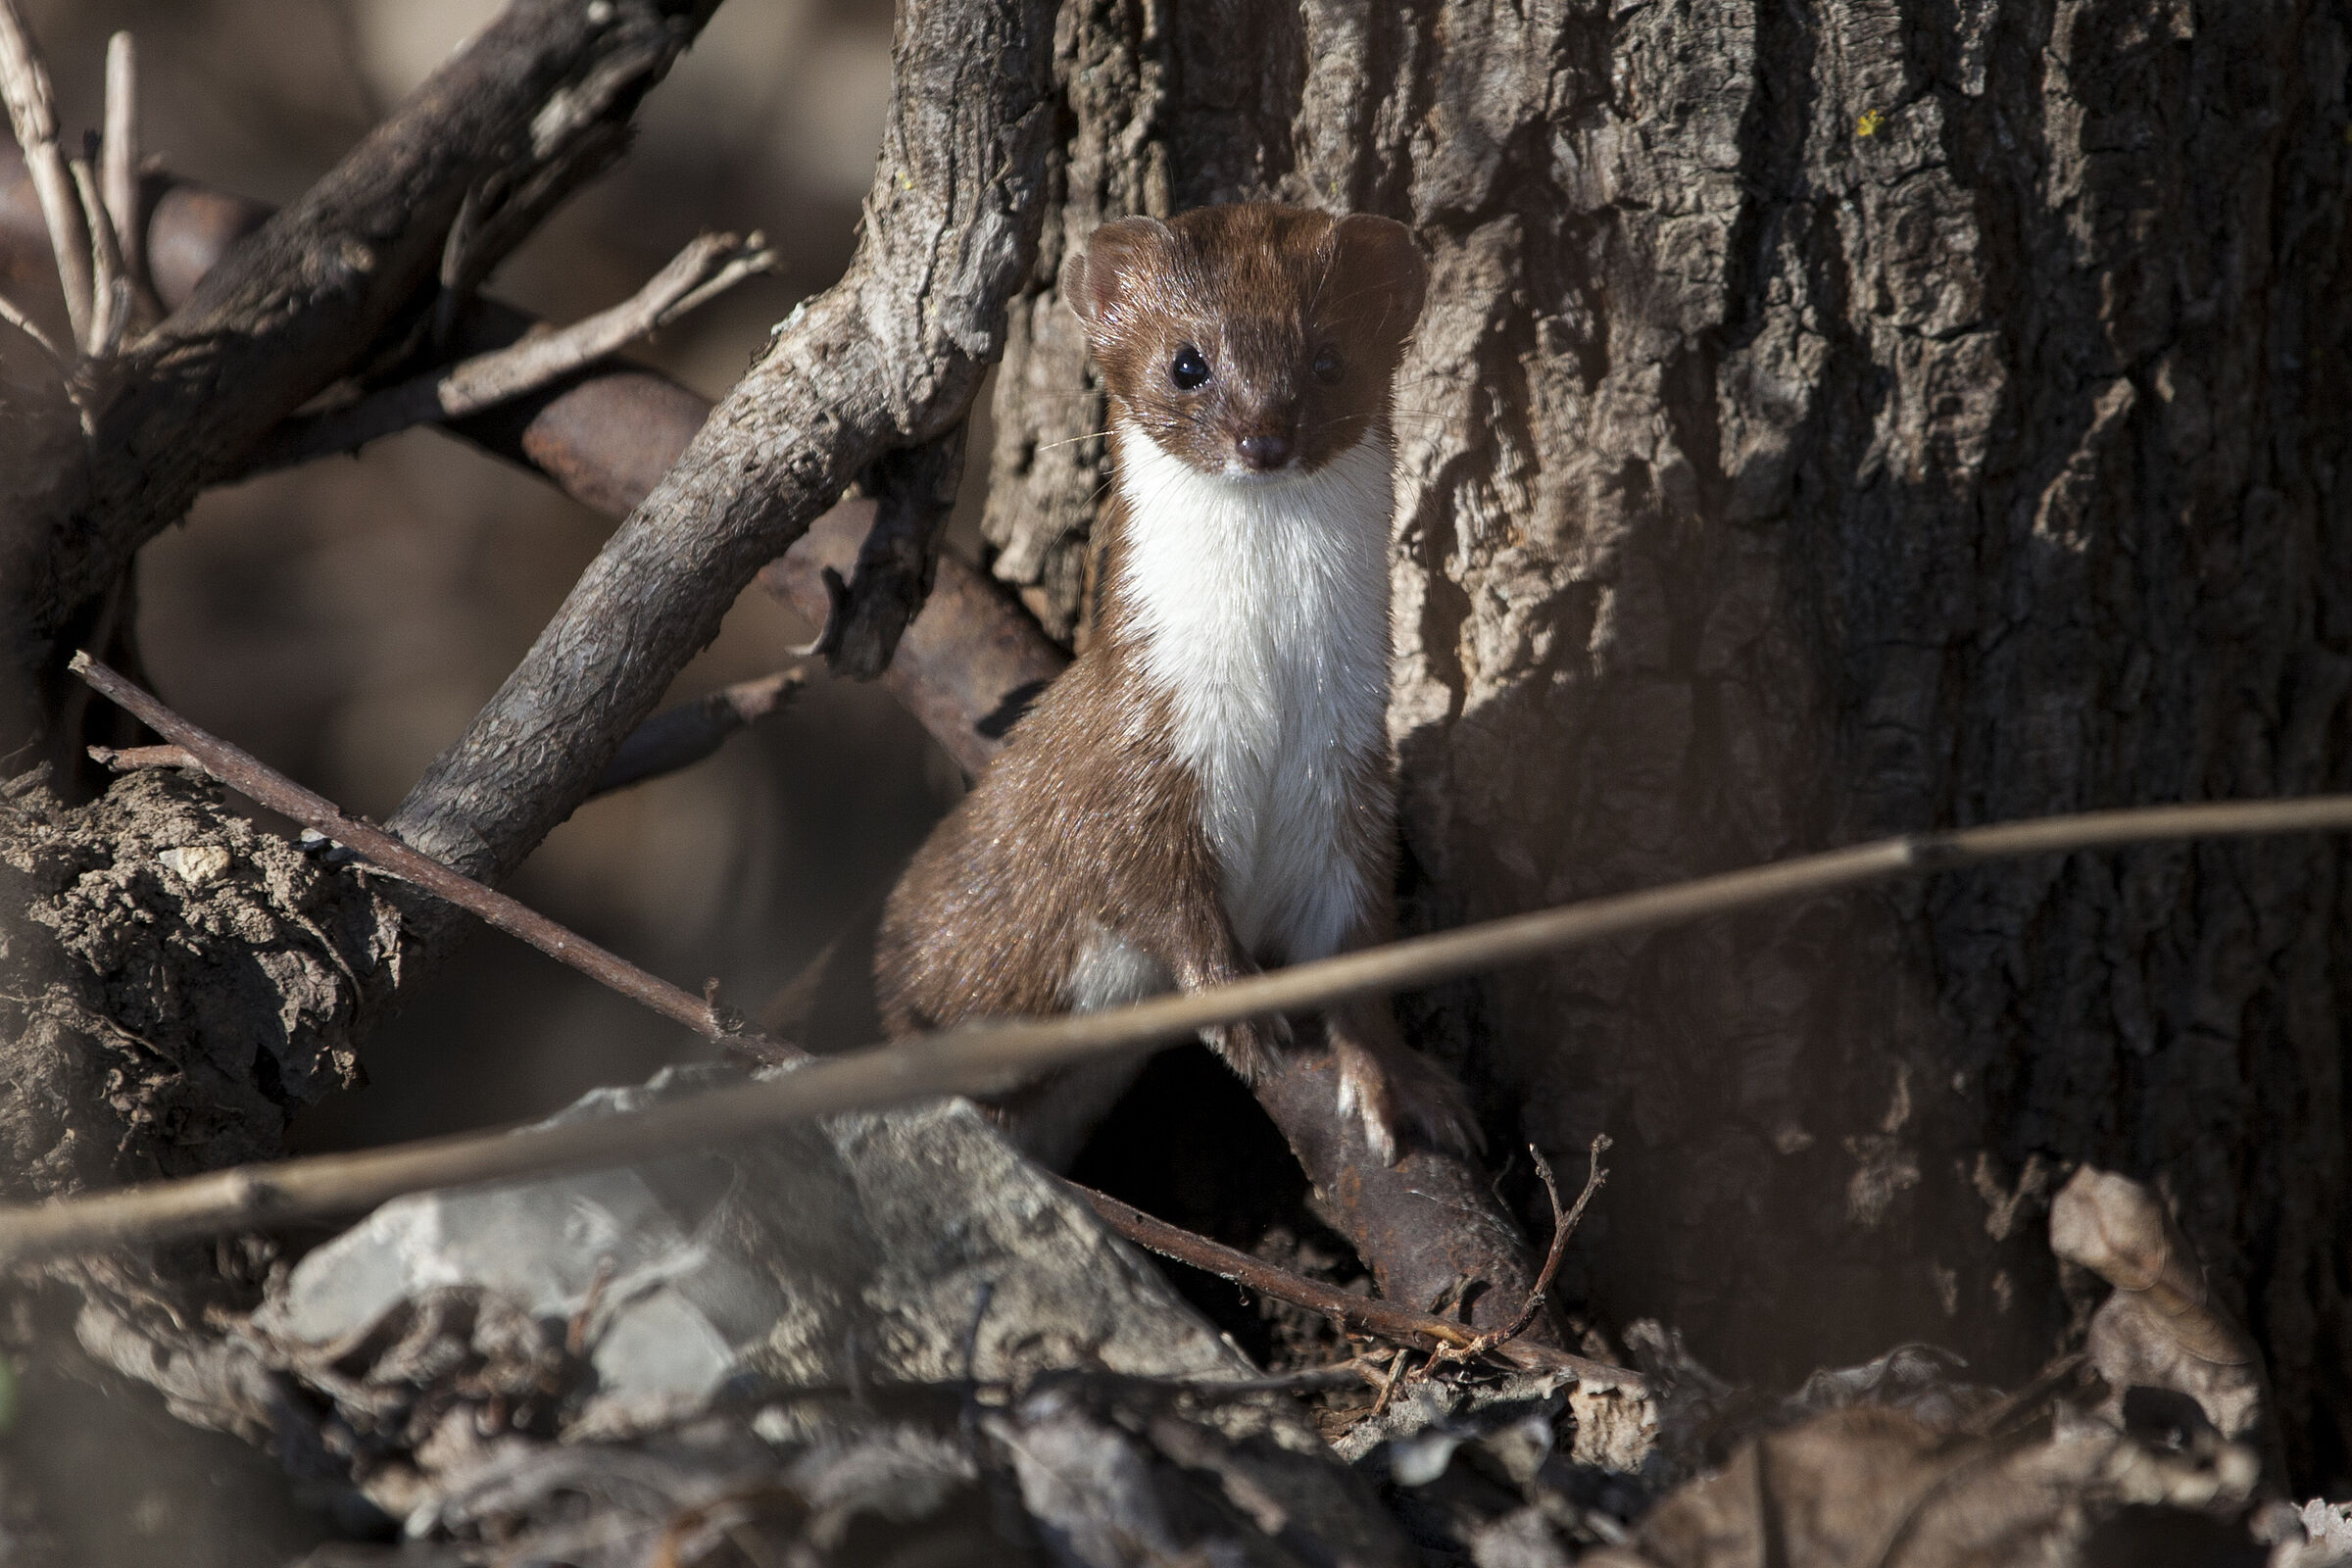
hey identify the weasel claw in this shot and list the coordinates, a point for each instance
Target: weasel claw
(1401, 1091)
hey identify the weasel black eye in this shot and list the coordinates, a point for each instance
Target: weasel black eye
(1190, 370)
(1327, 367)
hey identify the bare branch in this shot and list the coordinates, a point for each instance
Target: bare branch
(704, 269)
(986, 1056)
(109, 289)
(118, 151)
(539, 96)
(1563, 1226)
(888, 358)
(966, 668)
(240, 771)
(33, 114)
(24, 323)
(143, 759)
(672, 739)
(678, 736)
(1358, 1314)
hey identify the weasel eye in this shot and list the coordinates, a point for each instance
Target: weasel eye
(1327, 367)
(1190, 370)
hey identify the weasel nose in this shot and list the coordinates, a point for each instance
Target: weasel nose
(1264, 451)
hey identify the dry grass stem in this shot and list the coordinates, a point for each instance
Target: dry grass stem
(1357, 1314)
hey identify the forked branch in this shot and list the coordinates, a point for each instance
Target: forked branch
(540, 96)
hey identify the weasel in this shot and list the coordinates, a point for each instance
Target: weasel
(1209, 788)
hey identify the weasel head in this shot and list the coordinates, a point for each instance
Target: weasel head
(1253, 342)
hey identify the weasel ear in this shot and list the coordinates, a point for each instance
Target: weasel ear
(1382, 266)
(1095, 278)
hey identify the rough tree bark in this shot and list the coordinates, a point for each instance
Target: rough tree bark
(1832, 420)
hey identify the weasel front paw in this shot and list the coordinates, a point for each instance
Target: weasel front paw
(1399, 1091)
(1250, 1047)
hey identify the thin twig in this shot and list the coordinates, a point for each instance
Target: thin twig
(1563, 1226)
(33, 114)
(247, 774)
(119, 154)
(143, 759)
(110, 290)
(1388, 1386)
(677, 737)
(674, 738)
(24, 323)
(704, 269)
(1358, 1314)
(985, 1056)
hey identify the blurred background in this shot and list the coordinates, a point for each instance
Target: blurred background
(345, 621)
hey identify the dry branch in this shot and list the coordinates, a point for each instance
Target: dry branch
(1563, 1226)
(32, 115)
(604, 435)
(678, 736)
(141, 758)
(119, 152)
(888, 358)
(1444, 1338)
(536, 100)
(240, 771)
(983, 1057)
(706, 268)
(675, 738)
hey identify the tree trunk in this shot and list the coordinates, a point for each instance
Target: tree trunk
(1833, 420)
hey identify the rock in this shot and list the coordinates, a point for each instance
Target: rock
(878, 1279)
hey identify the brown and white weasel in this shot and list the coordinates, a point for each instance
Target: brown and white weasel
(1209, 788)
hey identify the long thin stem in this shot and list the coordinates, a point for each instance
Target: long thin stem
(1362, 1314)
(110, 288)
(119, 154)
(985, 1056)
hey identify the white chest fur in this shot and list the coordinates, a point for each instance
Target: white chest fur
(1263, 612)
